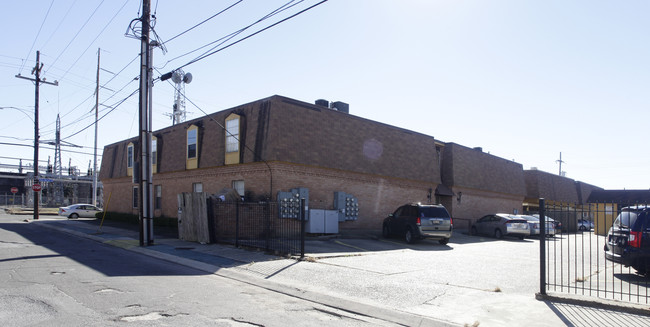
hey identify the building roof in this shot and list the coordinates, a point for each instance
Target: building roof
(620, 196)
(287, 130)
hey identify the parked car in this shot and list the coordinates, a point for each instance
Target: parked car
(500, 225)
(417, 221)
(534, 224)
(556, 223)
(628, 240)
(79, 210)
(584, 224)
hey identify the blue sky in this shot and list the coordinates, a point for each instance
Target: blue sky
(524, 80)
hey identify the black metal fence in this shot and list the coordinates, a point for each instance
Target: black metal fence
(256, 225)
(573, 260)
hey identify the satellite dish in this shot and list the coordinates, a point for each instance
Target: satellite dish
(177, 76)
(187, 78)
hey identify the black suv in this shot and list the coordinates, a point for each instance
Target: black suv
(416, 221)
(628, 240)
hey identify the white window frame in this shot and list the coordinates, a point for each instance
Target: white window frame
(232, 135)
(154, 151)
(192, 140)
(197, 187)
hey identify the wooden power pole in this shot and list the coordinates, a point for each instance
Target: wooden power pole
(36, 186)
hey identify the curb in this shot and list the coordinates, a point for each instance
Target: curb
(598, 303)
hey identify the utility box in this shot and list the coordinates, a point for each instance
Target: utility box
(347, 206)
(316, 223)
(331, 222)
(322, 222)
(289, 203)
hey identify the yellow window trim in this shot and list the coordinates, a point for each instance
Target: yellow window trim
(232, 157)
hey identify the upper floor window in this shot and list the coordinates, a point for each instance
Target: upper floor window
(191, 142)
(154, 151)
(129, 156)
(232, 134)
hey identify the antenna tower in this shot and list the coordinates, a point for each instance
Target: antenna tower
(180, 78)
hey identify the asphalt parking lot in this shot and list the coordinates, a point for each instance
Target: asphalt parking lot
(576, 263)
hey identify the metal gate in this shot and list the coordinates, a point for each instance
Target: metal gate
(257, 225)
(573, 261)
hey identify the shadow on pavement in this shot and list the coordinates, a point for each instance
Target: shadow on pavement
(580, 315)
(97, 256)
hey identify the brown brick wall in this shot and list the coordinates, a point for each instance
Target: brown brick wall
(475, 169)
(540, 184)
(475, 204)
(378, 196)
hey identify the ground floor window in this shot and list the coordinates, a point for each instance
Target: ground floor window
(158, 199)
(239, 187)
(135, 197)
(197, 187)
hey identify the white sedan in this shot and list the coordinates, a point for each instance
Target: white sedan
(79, 210)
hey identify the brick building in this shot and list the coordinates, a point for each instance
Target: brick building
(277, 144)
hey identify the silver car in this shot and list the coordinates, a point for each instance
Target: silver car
(534, 224)
(79, 210)
(585, 225)
(500, 225)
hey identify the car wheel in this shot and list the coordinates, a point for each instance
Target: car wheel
(409, 237)
(521, 237)
(582, 228)
(473, 231)
(74, 216)
(444, 241)
(498, 234)
(385, 231)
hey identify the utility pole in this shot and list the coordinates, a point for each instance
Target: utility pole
(96, 118)
(37, 81)
(145, 186)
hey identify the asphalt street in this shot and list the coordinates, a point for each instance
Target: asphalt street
(51, 278)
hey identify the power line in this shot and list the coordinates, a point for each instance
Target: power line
(96, 37)
(60, 23)
(100, 118)
(36, 38)
(250, 35)
(77, 34)
(228, 37)
(206, 20)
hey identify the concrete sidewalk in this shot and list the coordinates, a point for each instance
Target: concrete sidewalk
(348, 285)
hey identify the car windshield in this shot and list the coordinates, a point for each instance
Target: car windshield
(434, 212)
(626, 219)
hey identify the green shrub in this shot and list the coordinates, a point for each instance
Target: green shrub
(161, 221)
